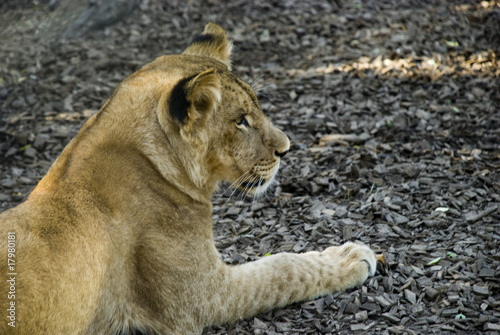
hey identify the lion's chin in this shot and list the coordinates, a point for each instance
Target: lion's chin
(253, 187)
(258, 188)
(257, 183)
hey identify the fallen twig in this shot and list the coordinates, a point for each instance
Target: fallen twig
(328, 139)
(482, 214)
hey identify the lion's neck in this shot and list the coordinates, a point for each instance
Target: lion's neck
(117, 156)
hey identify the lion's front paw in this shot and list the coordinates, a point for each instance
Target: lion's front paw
(356, 262)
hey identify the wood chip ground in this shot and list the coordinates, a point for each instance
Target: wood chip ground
(408, 89)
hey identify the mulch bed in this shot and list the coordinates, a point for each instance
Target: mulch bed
(410, 91)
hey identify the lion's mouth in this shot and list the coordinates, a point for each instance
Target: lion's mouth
(257, 180)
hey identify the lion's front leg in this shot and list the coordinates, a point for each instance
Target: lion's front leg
(281, 279)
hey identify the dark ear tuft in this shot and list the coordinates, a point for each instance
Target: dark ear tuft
(203, 38)
(213, 42)
(133, 331)
(178, 100)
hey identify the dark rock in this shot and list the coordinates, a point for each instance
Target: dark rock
(491, 326)
(30, 152)
(391, 317)
(370, 306)
(41, 141)
(481, 290)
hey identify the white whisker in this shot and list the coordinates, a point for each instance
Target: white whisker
(257, 192)
(237, 187)
(249, 186)
(237, 181)
(257, 83)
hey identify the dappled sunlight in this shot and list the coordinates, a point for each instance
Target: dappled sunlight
(431, 67)
(405, 46)
(482, 4)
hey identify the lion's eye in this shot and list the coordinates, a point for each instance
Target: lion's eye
(243, 122)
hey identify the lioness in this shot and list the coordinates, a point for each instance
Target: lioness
(117, 237)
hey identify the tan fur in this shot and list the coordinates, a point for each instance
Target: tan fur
(118, 235)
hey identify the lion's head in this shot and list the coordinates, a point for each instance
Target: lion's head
(212, 126)
(214, 119)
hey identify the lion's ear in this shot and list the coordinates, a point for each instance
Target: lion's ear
(193, 98)
(213, 42)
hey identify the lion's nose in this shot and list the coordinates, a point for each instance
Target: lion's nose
(281, 154)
